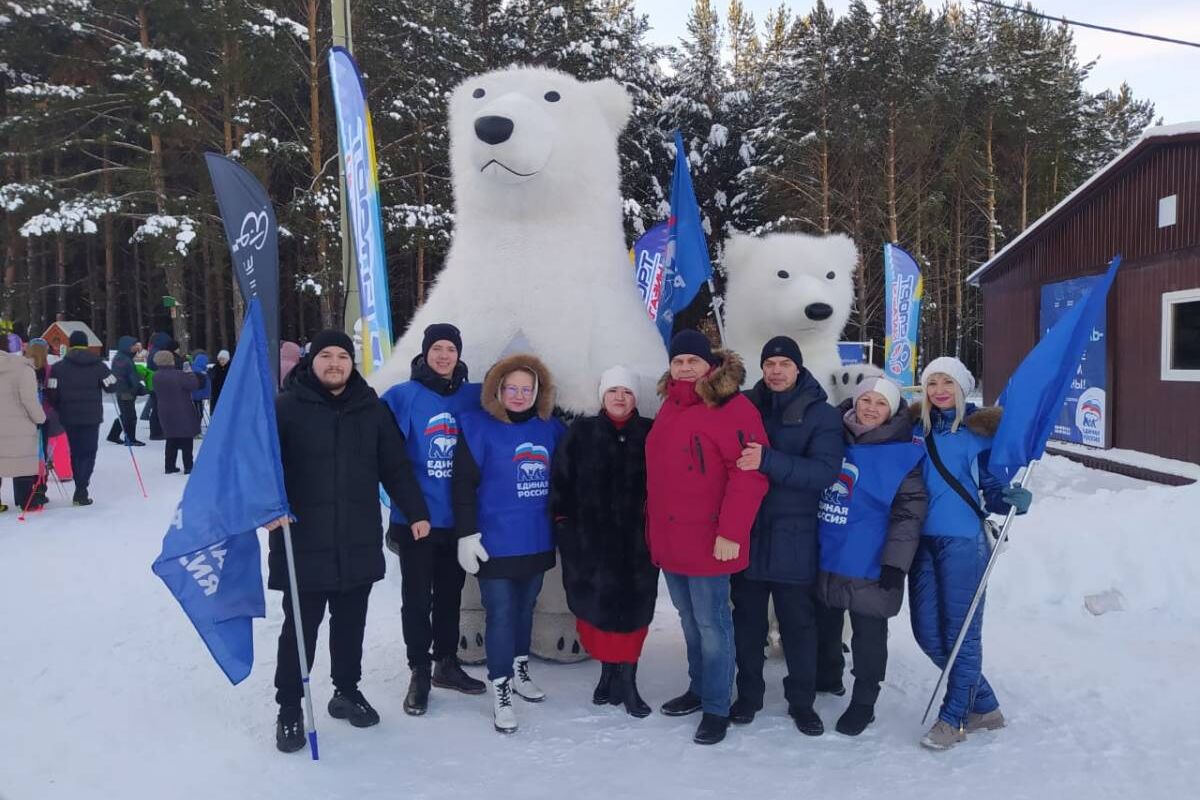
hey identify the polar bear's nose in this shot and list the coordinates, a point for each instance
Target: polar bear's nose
(818, 311)
(494, 130)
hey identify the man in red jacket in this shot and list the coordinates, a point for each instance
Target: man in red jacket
(699, 511)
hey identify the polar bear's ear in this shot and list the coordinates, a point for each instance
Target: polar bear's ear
(843, 251)
(614, 102)
(736, 248)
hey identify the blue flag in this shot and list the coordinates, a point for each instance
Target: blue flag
(902, 314)
(1034, 395)
(210, 556)
(672, 263)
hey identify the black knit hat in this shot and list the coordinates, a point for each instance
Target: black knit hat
(441, 332)
(331, 338)
(692, 343)
(784, 346)
(77, 339)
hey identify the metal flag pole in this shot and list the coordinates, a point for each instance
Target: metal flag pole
(310, 724)
(716, 307)
(1001, 538)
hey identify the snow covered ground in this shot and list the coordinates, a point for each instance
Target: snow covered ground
(110, 694)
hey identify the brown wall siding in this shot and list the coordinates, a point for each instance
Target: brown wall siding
(1120, 215)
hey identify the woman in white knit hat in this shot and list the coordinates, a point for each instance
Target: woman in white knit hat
(870, 524)
(954, 545)
(598, 497)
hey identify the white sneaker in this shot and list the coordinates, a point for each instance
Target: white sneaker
(523, 684)
(505, 719)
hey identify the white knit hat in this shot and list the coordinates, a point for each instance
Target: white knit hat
(618, 376)
(949, 365)
(223, 354)
(882, 386)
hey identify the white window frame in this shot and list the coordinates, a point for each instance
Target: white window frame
(1170, 299)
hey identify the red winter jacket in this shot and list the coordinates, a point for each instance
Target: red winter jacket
(694, 490)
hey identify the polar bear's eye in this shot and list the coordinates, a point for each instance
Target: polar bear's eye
(478, 93)
(783, 273)
(831, 275)
(552, 96)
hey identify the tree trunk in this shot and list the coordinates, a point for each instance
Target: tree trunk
(991, 187)
(824, 156)
(893, 223)
(93, 287)
(330, 273)
(222, 310)
(137, 295)
(958, 262)
(10, 245)
(110, 261)
(60, 276)
(207, 276)
(1025, 184)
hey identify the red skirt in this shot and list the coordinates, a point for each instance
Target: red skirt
(611, 648)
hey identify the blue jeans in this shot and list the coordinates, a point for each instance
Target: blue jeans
(707, 620)
(941, 583)
(508, 604)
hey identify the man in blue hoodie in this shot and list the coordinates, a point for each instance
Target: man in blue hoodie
(127, 388)
(427, 409)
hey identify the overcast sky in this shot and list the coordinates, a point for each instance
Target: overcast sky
(1168, 74)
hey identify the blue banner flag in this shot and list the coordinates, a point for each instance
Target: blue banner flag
(671, 259)
(253, 236)
(1085, 408)
(210, 555)
(1034, 395)
(903, 289)
(356, 141)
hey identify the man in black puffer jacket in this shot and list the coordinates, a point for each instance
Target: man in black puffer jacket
(803, 458)
(75, 389)
(338, 442)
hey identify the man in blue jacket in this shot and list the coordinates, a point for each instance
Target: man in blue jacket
(803, 458)
(128, 388)
(427, 409)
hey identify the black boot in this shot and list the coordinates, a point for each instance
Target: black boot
(711, 729)
(742, 711)
(449, 674)
(603, 691)
(807, 721)
(855, 719)
(289, 729)
(416, 702)
(635, 706)
(81, 497)
(353, 707)
(686, 703)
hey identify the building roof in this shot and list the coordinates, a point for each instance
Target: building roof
(68, 327)
(1151, 136)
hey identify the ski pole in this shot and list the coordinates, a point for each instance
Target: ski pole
(975, 601)
(129, 446)
(310, 724)
(37, 482)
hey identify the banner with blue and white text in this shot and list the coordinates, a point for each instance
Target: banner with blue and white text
(903, 289)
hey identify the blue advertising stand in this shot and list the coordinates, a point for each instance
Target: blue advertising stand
(1085, 411)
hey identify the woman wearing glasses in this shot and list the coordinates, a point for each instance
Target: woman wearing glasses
(501, 494)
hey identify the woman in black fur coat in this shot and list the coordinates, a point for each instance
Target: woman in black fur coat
(598, 495)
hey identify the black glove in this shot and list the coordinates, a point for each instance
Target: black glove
(891, 579)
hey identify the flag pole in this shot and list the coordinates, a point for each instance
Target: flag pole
(716, 307)
(1001, 538)
(310, 725)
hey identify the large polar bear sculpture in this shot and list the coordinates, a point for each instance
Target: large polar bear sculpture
(796, 285)
(538, 262)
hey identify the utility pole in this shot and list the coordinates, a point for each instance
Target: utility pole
(351, 313)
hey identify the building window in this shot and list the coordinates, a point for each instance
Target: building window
(1181, 336)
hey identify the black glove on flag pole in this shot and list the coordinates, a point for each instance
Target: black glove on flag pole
(253, 236)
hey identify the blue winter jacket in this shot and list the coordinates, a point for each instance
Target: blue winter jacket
(965, 454)
(200, 367)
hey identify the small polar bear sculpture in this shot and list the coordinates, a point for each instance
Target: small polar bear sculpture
(538, 262)
(796, 285)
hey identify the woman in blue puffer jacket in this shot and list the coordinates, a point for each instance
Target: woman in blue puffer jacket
(954, 546)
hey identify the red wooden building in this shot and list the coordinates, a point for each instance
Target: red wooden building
(1145, 205)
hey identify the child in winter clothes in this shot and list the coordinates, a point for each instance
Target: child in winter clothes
(954, 545)
(176, 412)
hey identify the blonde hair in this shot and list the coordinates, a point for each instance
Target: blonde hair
(960, 404)
(37, 353)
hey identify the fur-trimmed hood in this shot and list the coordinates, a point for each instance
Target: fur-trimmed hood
(490, 396)
(983, 421)
(722, 383)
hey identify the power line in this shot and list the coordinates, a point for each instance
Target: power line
(1077, 23)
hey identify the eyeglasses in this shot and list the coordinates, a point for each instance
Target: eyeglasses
(518, 391)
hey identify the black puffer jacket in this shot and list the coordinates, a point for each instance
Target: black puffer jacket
(803, 458)
(862, 595)
(336, 451)
(598, 497)
(75, 387)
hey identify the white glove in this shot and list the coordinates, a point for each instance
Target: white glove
(471, 552)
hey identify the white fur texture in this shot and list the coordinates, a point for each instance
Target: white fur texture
(540, 253)
(760, 302)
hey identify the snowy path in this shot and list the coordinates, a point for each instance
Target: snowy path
(110, 694)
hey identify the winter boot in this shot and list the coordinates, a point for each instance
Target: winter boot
(416, 702)
(3, 508)
(626, 681)
(742, 711)
(711, 729)
(603, 691)
(449, 674)
(943, 736)
(807, 721)
(353, 707)
(81, 498)
(503, 716)
(855, 719)
(523, 685)
(686, 703)
(289, 729)
(991, 721)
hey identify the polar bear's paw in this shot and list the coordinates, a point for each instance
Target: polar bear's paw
(555, 638)
(849, 377)
(470, 637)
